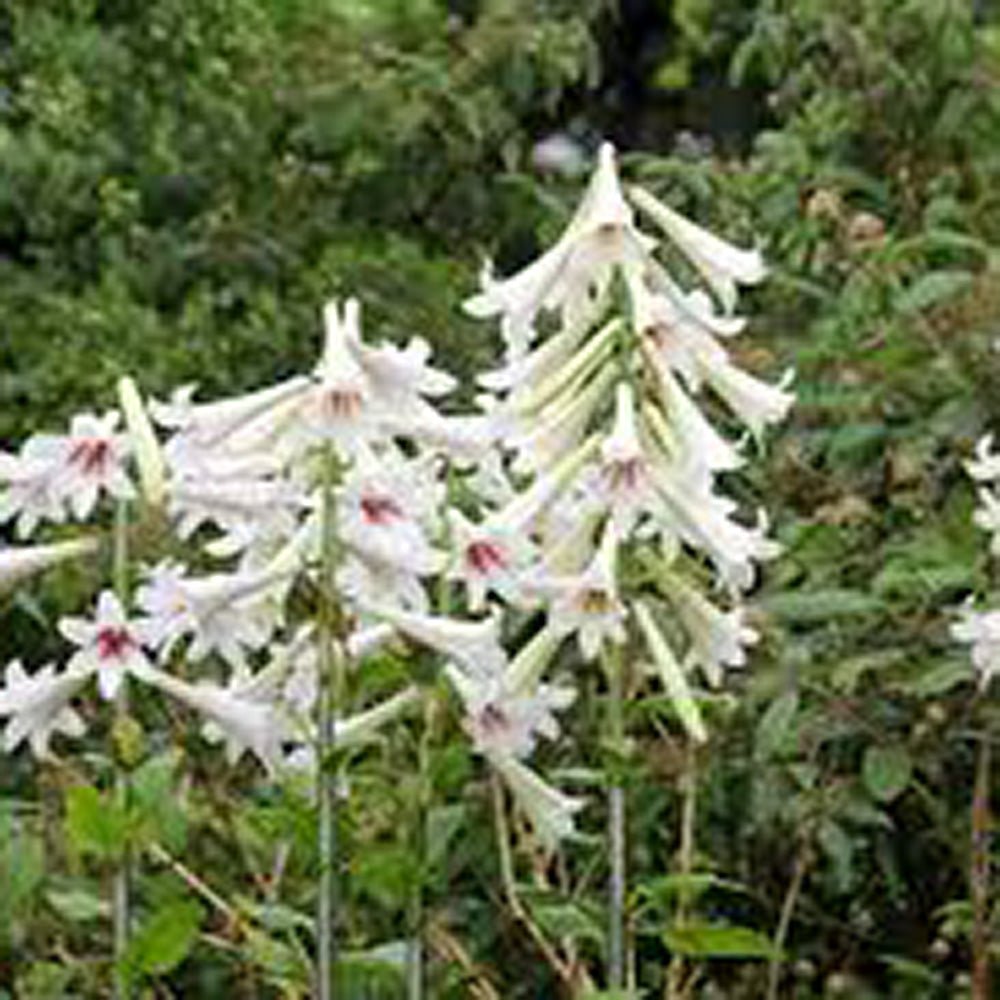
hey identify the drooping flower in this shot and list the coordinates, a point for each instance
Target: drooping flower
(588, 603)
(38, 706)
(981, 629)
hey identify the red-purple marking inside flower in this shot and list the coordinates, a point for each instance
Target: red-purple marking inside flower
(624, 475)
(113, 642)
(492, 719)
(485, 557)
(92, 455)
(380, 509)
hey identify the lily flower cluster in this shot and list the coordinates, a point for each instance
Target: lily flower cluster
(590, 446)
(981, 629)
(598, 406)
(243, 480)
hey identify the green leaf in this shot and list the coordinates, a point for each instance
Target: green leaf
(775, 725)
(718, 941)
(932, 289)
(886, 772)
(821, 605)
(156, 812)
(94, 824)
(164, 940)
(78, 905)
(568, 920)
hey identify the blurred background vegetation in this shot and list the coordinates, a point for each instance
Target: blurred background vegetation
(182, 184)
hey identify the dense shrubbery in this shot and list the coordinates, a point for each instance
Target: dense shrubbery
(181, 183)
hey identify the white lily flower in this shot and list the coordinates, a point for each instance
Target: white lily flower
(22, 563)
(110, 645)
(718, 638)
(701, 519)
(572, 277)
(210, 425)
(754, 402)
(55, 472)
(475, 645)
(238, 714)
(550, 812)
(380, 509)
(588, 604)
(986, 465)
(228, 613)
(700, 445)
(29, 491)
(721, 264)
(501, 721)
(620, 482)
(39, 706)
(488, 557)
(981, 629)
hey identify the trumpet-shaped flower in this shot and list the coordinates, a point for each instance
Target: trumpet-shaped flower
(503, 723)
(718, 638)
(981, 629)
(572, 277)
(721, 264)
(551, 812)
(474, 645)
(38, 706)
(587, 604)
(241, 715)
(225, 613)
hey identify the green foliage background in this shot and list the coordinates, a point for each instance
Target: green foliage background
(183, 184)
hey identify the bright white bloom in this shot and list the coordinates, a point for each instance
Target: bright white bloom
(19, 564)
(475, 646)
(587, 604)
(986, 465)
(110, 645)
(550, 812)
(488, 557)
(227, 613)
(982, 630)
(89, 460)
(28, 489)
(244, 714)
(754, 402)
(718, 638)
(39, 706)
(572, 277)
(381, 505)
(721, 264)
(501, 721)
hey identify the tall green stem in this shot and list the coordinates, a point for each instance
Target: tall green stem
(331, 679)
(616, 821)
(121, 889)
